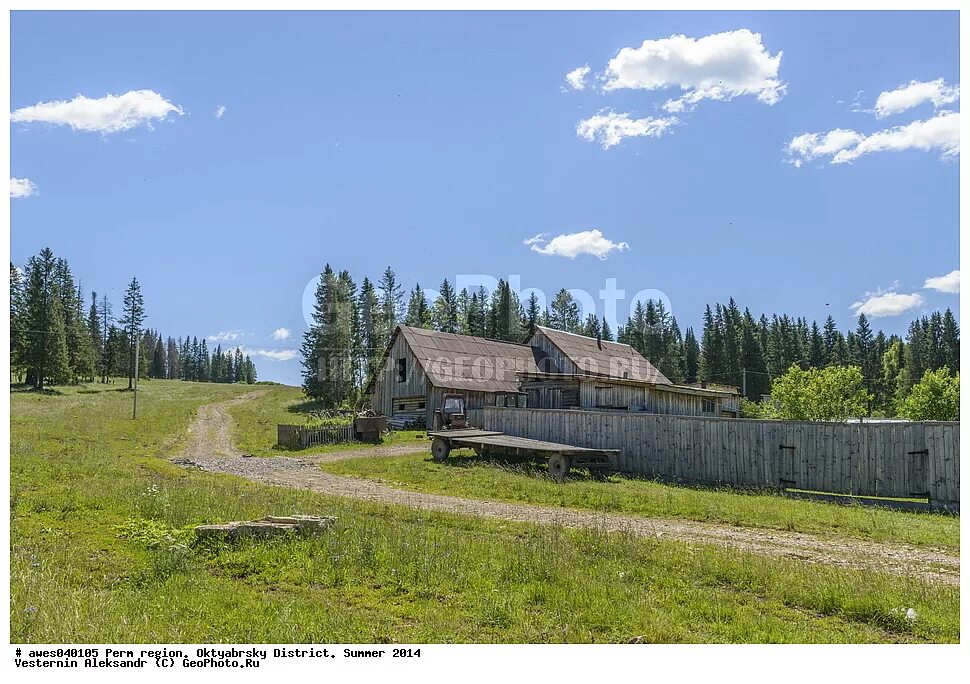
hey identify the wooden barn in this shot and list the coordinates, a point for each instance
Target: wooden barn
(420, 366)
(554, 369)
(586, 373)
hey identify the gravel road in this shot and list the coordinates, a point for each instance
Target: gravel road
(210, 448)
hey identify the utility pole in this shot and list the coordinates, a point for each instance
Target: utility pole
(134, 405)
(744, 382)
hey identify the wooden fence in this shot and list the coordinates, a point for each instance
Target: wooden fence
(299, 437)
(900, 460)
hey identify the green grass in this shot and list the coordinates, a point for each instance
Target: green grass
(254, 423)
(101, 551)
(469, 476)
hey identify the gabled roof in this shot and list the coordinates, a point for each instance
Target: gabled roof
(468, 363)
(604, 359)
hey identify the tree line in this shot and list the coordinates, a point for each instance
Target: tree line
(352, 327)
(55, 341)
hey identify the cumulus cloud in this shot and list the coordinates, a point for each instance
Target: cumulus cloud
(941, 132)
(945, 283)
(720, 66)
(281, 334)
(271, 354)
(22, 187)
(108, 114)
(220, 111)
(914, 94)
(878, 304)
(809, 146)
(571, 245)
(609, 128)
(577, 77)
(226, 336)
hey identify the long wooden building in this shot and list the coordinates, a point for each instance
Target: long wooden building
(554, 369)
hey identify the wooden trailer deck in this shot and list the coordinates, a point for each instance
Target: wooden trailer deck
(561, 457)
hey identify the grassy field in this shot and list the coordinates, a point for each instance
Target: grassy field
(254, 427)
(101, 551)
(466, 475)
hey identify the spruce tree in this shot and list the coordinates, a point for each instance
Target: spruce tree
(133, 315)
(692, 357)
(18, 323)
(444, 313)
(564, 312)
(950, 338)
(533, 314)
(418, 313)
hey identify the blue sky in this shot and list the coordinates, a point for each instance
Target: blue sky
(438, 143)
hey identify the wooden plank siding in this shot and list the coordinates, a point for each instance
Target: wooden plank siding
(896, 460)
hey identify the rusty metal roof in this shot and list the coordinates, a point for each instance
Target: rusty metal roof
(469, 363)
(605, 359)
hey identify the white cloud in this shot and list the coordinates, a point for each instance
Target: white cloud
(945, 283)
(916, 93)
(226, 336)
(721, 66)
(108, 114)
(809, 146)
(577, 77)
(220, 112)
(571, 245)
(281, 334)
(271, 354)
(879, 304)
(609, 128)
(22, 187)
(941, 132)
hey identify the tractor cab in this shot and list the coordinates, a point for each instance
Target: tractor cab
(451, 414)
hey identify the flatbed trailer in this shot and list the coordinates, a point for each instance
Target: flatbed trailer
(560, 457)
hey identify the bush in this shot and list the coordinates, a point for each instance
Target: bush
(935, 397)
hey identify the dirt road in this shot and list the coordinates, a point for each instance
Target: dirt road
(210, 448)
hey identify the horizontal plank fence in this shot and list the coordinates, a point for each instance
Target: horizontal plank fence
(299, 437)
(897, 460)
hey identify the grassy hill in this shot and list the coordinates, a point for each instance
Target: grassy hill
(102, 551)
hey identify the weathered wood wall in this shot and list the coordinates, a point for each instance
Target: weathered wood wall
(886, 460)
(387, 388)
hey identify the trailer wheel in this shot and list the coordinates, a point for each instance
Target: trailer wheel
(559, 466)
(440, 448)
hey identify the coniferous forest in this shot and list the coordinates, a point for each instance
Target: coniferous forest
(60, 337)
(352, 326)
